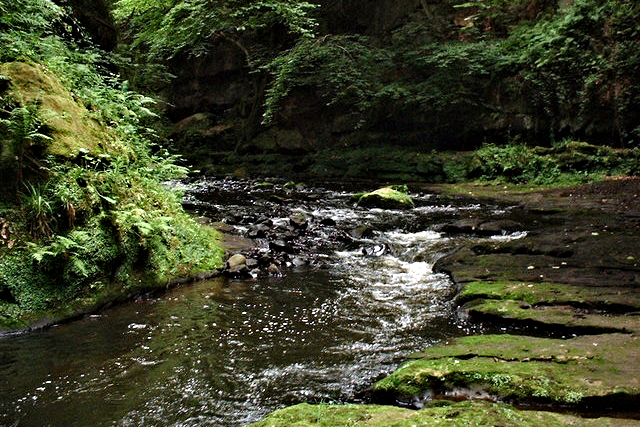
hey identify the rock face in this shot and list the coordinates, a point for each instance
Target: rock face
(95, 18)
(220, 84)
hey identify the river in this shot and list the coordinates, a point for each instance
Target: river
(344, 312)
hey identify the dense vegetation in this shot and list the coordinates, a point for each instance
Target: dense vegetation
(85, 217)
(449, 74)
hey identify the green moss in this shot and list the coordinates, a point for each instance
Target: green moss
(564, 317)
(386, 197)
(523, 368)
(448, 414)
(553, 304)
(96, 223)
(71, 126)
(550, 293)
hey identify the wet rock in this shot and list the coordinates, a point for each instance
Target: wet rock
(363, 232)
(328, 222)
(299, 261)
(375, 251)
(491, 228)
(462, 226)
(299, 221)
(273, 270)
(252, 263)
(236, 260)
(265, 221)
(237, 267)
(281, 246)
(289, 235)
(277, 199)
(258, 232)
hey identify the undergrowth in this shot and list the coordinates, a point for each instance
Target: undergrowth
(82, 173)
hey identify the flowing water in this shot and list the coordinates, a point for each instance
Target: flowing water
(226, 352)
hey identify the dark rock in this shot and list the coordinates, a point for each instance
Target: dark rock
(252, 263)
(281, 246)
(362, 232)
(299, 221)
(258, 232)
(240, 272)
(266, 221)
(329, 222)
(462, 226)
(499, 227)
(277, 199)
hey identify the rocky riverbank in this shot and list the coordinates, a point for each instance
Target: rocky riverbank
(570, 288)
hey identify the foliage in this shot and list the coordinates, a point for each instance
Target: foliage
(22, 131)
(572, 72)
(97, 210)
(584, 61)
(343, 69)
(39, 211)
(566, 163)
(166, 28)
(490, 18)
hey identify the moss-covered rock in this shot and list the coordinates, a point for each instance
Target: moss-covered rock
(599, 372)
(564, 318)
(71, 126)
(448, 414)
(386, 198)
(554, 306)
(612, 298)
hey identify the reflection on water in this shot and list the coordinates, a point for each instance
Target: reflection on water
(225, 353)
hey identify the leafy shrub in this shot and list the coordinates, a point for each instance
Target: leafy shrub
(566, 163)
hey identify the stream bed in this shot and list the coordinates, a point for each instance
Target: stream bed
(353, 294)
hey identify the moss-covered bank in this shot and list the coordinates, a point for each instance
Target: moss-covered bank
(595, 372)
(85, 217)
(442, 413)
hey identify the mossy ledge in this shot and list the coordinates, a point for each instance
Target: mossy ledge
(440, 413)
(595, 373)
(553, 307)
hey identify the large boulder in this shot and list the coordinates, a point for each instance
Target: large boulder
(386, 198)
